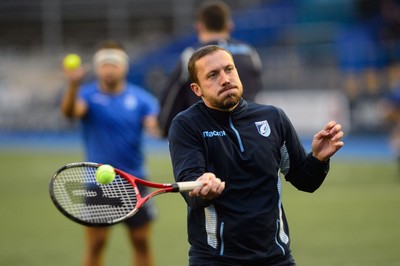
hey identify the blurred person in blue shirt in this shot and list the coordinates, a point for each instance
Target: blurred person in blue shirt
(113, 115)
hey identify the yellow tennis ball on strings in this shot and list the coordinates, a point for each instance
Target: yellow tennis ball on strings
(105, 174)
(72, 61)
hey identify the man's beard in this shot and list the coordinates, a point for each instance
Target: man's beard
(111, 82)
(228, 102)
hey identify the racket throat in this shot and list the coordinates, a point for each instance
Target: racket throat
(175, 187)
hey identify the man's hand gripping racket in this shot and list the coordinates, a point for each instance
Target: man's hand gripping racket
(76, 193)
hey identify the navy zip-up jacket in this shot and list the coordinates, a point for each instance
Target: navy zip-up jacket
(248, 148)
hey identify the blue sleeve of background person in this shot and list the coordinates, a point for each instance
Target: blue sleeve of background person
(306, 173)
(86, 90)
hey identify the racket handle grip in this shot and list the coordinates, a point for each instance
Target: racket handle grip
(186, 186)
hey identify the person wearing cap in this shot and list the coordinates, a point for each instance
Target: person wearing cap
(114, 114)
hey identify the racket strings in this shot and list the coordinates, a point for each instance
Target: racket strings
(80, 196)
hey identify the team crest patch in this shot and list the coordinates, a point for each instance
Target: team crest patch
(263, 128)
(130, 102)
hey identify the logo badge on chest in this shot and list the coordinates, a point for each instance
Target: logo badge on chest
(263, 128)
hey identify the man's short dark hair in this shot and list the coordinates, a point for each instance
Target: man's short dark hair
(215, 15)
(198, 54)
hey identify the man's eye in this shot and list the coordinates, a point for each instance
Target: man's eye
(212, 75)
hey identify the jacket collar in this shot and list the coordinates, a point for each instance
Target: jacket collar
(224, 115)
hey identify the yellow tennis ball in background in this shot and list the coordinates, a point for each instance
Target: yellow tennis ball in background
(105, 174)
(72, 61)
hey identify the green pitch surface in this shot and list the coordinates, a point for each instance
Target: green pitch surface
(353, 219)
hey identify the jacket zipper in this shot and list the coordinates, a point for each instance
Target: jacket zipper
(237, 134)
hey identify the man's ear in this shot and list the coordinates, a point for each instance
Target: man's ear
(198, 27)
(196, 89)
(230, 26)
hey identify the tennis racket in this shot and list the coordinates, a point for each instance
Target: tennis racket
(76, 193)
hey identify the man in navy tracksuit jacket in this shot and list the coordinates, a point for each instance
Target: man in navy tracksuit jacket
(238, 149)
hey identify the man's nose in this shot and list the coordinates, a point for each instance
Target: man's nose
(225, 78)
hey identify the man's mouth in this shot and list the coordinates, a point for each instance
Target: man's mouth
(227, 89)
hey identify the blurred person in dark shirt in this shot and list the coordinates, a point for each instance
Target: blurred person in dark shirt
(214, 26)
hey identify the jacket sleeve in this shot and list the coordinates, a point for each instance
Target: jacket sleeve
(309, 175)
(301, 169)
(187, 158)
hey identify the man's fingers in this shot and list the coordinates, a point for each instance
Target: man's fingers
(212, 187)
